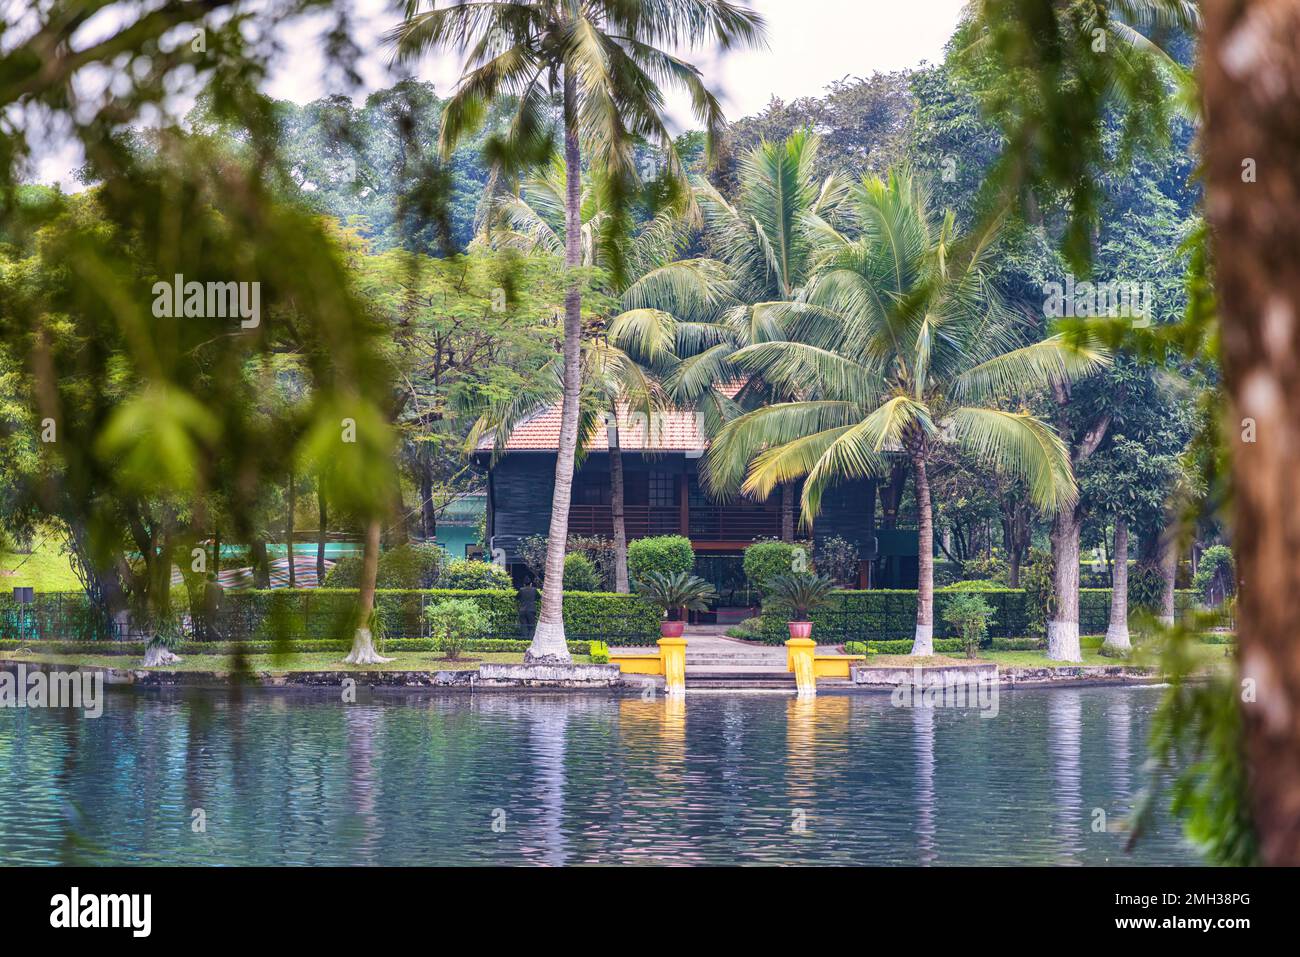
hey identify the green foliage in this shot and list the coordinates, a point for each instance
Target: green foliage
(857, 648)
(751, 629)
(407, 566)
(970, 616)
(1215, 575)
(660, 554)
(675, 592)
(1146, 587)
(837, 558)
(580, 573)
(1038, 580)
(797, 594)
(974, 585)
(990, 568)
(599, 652)
(345, 573)
(764, 561)
(470, 573)
(453, 622)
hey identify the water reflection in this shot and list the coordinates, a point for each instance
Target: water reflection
(295, 778)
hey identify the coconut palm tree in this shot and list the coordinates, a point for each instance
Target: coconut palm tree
(607, 62)
(899, 345)
(532, 220)
(766, 246)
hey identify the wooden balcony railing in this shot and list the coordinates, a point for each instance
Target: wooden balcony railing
(713, 523)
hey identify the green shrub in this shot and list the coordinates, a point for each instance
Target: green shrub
(1214, 579)
(985, 568)
(837, 559)
(410, 566)
(580, 573)
(969, 614)
(346, 573)
(1146, 587)
(453, 622)
(978, 584)
(765, 560)
(856, 647)
(1040, 591)
(470, 574)
(797, 594)
(599, 652)
(751, 629)
(665, 554)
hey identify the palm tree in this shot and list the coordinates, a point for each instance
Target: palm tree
(765, 244)
(613, 382)
(607, 62)
(899, 346)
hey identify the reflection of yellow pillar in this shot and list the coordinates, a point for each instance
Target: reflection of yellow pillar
(672, 651)
(799, 659)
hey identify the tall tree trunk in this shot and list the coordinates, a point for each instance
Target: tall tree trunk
(787, 512)
(891, 493)
(363, 642)
(397, 532)
(1168, 577)
(321, 533)
(293, 505)
(1117, 633)
(261, 566)
(548, 638)
(923, 644)
(1249, 67)
(1063, 629)
(428, 514)
(620, 524)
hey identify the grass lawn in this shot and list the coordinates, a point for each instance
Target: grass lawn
(305, 661)
(1206, 654)
(45, 569)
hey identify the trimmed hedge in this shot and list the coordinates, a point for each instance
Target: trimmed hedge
(254, 647)
(884, 615)
(326, 614)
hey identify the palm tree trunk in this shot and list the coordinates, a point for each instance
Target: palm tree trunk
(293, 504)
(320, 533)
(1117, 633)
(1252, 111)
(620, 524)
(1168, 578)
(548, 638)
(923, 644)
(1063, 629)
(363, 642)
(787, 512)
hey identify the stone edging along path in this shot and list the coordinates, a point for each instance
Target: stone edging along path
(866, 678)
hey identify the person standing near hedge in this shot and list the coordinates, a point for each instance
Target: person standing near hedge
(526, 598)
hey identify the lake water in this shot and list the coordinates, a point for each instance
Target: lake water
(299, 778)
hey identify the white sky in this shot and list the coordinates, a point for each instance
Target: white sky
(810, 44)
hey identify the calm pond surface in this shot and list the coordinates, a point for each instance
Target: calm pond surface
(299, 778)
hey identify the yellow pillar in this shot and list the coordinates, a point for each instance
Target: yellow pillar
(672, 651)
(799, 659)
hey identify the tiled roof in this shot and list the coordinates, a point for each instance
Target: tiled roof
(672, 431)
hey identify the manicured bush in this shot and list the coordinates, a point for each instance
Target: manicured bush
(599, 652)
(665, 554)
(470, 573)
(856, 648)
(969, 615)
(751, 629)
(346, 573)
(580, 573)
(765, 560)
(453, 622)
(978, 584)
(414, 565)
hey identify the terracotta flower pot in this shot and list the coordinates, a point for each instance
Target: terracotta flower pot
(800, 629)
(671, 629)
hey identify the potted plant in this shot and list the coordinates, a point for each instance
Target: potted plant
(675, 592)
(798, 595)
